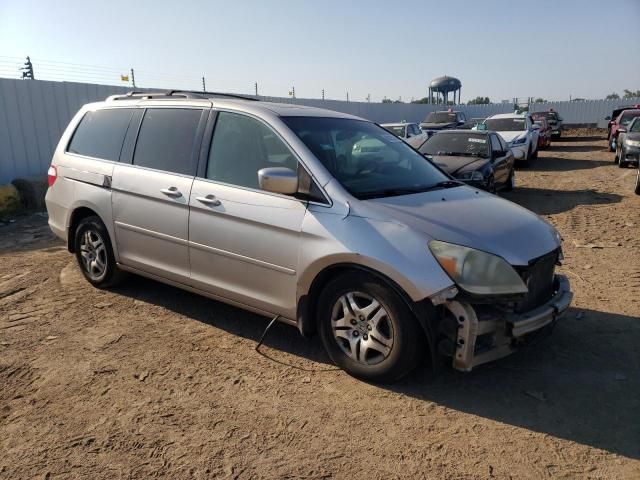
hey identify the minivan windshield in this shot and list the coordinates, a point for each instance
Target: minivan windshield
(367, 160)
(505, 124)
(457, 144)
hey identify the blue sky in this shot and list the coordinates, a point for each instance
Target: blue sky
(500, 49)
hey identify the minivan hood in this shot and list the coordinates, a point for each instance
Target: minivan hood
(467, 216)
(510, 136)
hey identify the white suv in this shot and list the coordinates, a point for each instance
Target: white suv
(519, 131)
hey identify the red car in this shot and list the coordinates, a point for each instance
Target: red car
(622, 120)
(614, 116)
(544, 131)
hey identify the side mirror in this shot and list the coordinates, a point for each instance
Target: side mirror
(607, 117)
(278, 180)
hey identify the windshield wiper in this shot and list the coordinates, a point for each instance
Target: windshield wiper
(394, 192)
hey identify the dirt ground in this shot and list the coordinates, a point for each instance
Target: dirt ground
(149, 381)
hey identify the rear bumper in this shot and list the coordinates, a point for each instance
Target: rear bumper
(485, 334)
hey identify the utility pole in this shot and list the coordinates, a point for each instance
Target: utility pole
(368, 98)
(133, 78)
(256, 85)
(204, 85)
(347, 96)
(293, 92)
(323, 94)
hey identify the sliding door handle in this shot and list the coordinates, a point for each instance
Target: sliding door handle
(209, 200)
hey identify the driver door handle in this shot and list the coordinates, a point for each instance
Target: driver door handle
(209, 200)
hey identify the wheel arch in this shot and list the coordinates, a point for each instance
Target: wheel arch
(424, 311)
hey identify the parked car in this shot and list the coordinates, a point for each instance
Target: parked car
(518, 130)
(404, 130)
(614, 115)
(480, 159)
(262, 206)
(554, 120)
(628, 145)
(442, 120)
(544, 133)
(621, 122)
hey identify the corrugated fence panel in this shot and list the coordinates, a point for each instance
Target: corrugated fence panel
(34, 114)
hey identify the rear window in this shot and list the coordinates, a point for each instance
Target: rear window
(100, 133)
(166, 140)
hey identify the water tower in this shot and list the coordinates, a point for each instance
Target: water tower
(441, 86)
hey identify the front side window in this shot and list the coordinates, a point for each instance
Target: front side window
(457, 144)
(100, 133)
(495, 144)
(167, 139)
(241, 146)
(635, 126)
(367, 160)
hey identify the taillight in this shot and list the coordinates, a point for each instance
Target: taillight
(52, 175)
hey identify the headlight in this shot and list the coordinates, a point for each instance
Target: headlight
(473, 175)
(477, 272)
(519, 141)
(633, 143)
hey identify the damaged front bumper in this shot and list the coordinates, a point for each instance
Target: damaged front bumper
(486, 333)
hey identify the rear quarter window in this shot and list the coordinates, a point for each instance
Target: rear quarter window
(100, 133)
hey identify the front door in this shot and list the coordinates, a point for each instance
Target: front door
(243, 241)
(151, 194)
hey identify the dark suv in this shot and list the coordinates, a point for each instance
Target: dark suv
(443, 120)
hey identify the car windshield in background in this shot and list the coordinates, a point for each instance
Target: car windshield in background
(505, 124)
(627, 117)
(440, 117)
(366, 159)
(397, 131)
(459, 144)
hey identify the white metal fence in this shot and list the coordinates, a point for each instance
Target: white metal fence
(34, 113)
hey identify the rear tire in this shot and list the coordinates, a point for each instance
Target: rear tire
(94, 253)
(511, 181)
(367, 329)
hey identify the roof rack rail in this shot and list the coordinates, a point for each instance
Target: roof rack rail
(176, 93)
(212, 94)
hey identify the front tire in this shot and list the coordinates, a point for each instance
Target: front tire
(94, 253)
(367, 329)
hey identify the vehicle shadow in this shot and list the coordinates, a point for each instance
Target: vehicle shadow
(590, 138)
(581, 384)
(548, 202)
(576, 148)
(557, 164)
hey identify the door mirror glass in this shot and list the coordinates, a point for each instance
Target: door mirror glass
(278, 180)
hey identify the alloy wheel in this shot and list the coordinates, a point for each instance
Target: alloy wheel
(362, 328)
(94, 254)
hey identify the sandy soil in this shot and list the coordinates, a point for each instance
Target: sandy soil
(148, 381)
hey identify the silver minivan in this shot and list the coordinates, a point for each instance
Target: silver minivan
(322, 220)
